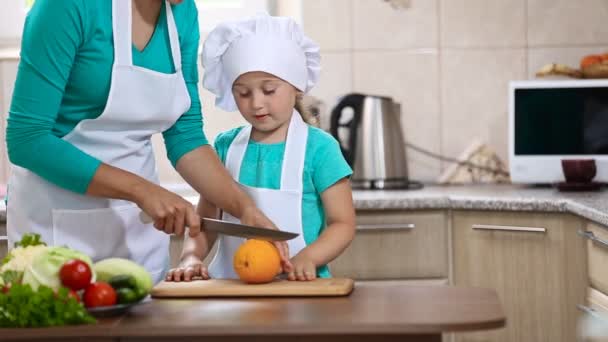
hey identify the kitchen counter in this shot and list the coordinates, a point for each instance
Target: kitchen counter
(590, 205)
(373, 312)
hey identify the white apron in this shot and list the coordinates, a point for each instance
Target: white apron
(283, 206)
(141, 102)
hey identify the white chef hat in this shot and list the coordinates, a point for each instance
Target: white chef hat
(276, 45)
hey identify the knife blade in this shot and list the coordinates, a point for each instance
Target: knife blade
(237, 229)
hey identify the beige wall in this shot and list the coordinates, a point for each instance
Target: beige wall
(448, 61)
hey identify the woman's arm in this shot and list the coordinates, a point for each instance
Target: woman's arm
(52, 34)
(340, 231)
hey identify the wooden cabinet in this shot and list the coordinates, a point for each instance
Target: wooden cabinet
(535, 261)
(3, 240)
(391, 244)
(593, 325)
(597, 256)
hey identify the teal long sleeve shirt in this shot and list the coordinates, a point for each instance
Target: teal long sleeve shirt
(64, 77)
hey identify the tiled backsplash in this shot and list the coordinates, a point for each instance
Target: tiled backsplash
(448, 62)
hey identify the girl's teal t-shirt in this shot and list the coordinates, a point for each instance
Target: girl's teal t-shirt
(64, 77)
(324, 165)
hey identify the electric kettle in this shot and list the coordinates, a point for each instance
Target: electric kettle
(371, 141)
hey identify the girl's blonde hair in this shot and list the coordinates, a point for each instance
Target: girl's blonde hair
(305, 111)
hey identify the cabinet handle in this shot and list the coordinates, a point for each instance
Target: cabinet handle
(589, 235)
(388, 226)
(509, 228)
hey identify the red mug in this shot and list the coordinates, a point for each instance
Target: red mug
(579, 170)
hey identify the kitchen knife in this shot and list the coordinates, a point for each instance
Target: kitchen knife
(237, 229)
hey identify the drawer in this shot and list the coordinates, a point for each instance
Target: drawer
(593, 325)
(393, 244)
(597, 256)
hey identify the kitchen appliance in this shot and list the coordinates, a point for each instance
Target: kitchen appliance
(555, 120)
(371, 141)
(327, 287)
(237, 229)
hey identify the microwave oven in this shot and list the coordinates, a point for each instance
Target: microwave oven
(551, 120)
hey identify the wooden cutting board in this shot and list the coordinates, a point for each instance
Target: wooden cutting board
(236, 288)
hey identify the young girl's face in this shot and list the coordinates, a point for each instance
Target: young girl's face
(264, 100)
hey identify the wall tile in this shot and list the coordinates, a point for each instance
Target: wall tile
(328, 23)
(474, 89)
(378, 25)
(411, 78)
(482, 23)
(567, 22)
(335, 81)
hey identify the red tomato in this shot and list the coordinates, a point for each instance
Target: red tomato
(75, 274)
(74, 295)
(99, 294)
(6, 288)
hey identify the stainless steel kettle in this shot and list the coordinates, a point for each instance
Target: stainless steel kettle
(371, 141)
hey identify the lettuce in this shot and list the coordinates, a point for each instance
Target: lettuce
(44, 269)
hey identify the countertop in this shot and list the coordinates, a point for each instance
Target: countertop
(590, 205)
(390, 311)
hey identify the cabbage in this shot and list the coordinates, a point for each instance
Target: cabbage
(44, 269)
(20, 258)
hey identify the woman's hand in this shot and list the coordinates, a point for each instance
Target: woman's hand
(252, 216)
(304, 268)
(170, 212)
(188, 268)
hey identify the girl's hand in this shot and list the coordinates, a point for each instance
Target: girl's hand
(252, 216)
(170, 212)
(190, 267)
(304, 268)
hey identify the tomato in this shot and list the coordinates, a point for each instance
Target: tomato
(99, 294)
(74, 295)
(6, 288)
(75, 274)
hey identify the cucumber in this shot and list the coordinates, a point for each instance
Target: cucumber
(123, 281)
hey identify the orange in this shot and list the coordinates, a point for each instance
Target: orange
(257, 262)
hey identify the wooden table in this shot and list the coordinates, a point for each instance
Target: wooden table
(370, 313)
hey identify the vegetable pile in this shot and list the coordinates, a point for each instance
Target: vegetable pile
(42, 286)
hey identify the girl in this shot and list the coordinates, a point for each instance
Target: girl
(295, 173)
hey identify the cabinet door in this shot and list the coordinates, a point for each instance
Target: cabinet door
(593, 326)
(597, 256)
(3, 240)
(537, 264)
(396, 245)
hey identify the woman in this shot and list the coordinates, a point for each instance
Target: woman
(96, 80)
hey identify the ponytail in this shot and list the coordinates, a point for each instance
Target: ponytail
(305, 112)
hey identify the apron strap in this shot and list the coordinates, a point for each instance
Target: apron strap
(295, 152)
(173, 38)
(121, 31)
(236, 152)
(122, 34)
